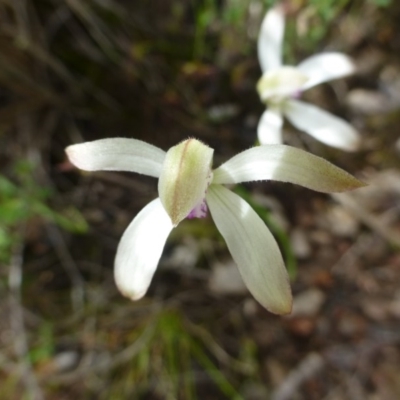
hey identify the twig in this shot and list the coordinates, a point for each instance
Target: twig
(343, 265)
(21, 16)
(18, 326)
(88, 366)
(123, 181)
(377, 224)
(219, 352)
(98, 31)
(72, 270)
(307, 368)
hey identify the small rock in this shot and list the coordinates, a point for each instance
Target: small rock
(61, 362)
(250, 307)
(302, 326)
(183, 256)
(226, 279)
(323, 279)
(222, 112)
(369, 102)
(308, 303)
(351, 325)
(390, 81)
(66, 360)
(300, 244)
(376, 309)
(321, 237)
(341, 222)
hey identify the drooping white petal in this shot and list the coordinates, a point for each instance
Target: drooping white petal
(280, 83)
(185, 177)
(287, 164)
(253, 248)
(269, 127)
(117, 154)
(270, 39)
(322, 125)
(326, 67)
(140, 249)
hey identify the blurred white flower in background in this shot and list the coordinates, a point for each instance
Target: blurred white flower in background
(188, 186)
(281, 85)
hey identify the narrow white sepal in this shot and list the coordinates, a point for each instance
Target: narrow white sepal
(322, 125)
(270, 39)
(286, 164)
(140, 249)
(325, 67)
(253, 248)
(117, 154)
(269, 129)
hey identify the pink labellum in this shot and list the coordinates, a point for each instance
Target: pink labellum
(200, 211)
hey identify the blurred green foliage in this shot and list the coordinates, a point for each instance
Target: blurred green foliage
(174, 356)
(44, 348)
(314, 21)
(22, 200)
(381, 3)
(304, 33)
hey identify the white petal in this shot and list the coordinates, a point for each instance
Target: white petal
(140, 249)
(253, 248)
(269, 128)
(323, 126)
(326, 67)
(287, 164)
(270, 39)
(117, 154)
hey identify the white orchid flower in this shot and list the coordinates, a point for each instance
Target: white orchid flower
(281, 85)
(188, 186)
